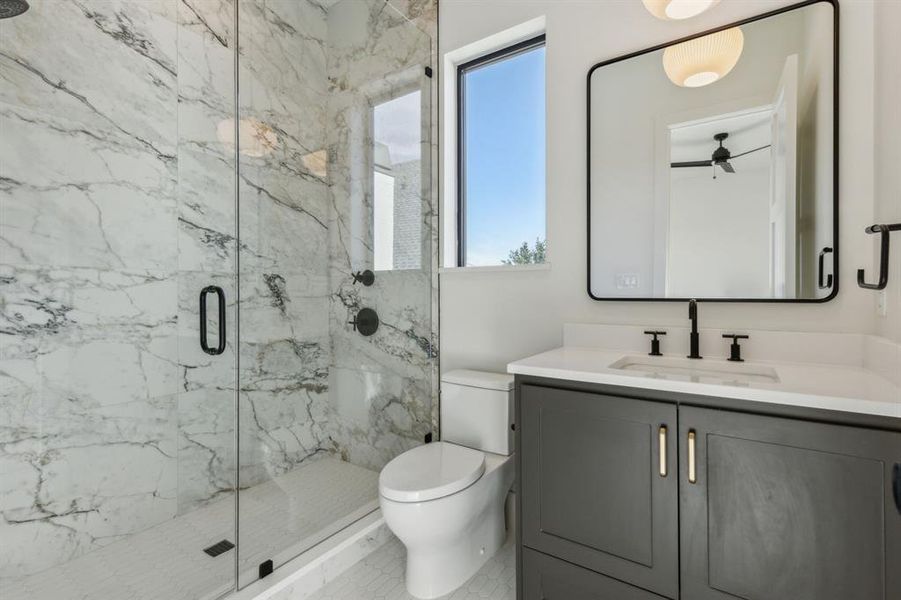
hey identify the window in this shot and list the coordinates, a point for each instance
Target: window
(397, 183)
(501, 157)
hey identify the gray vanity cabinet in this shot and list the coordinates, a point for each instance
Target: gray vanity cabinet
(548, 578)
(782, 508)
(728, 504)
(594, 491)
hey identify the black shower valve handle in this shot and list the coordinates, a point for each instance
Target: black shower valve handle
(366, 277)
(365, 322)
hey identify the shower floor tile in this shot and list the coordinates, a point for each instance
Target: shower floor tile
(380, 576)
(280, 518)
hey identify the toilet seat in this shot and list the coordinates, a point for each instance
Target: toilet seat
(430, 472)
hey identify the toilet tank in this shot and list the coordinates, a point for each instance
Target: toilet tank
(477, 410)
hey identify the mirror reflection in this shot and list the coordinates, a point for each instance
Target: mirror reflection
(397, 183)
(711, 165)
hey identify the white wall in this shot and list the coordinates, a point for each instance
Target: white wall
(888, 151)
(490, 318)
(814, 152)
(719, 234)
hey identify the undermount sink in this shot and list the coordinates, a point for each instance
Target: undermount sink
(700, 371)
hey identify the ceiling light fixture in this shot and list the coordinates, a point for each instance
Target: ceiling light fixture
(676, 10)
(703, 60)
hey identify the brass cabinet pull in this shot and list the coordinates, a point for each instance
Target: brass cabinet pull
(692, 457)
(662, 443)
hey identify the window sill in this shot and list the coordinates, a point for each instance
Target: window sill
(495, 269)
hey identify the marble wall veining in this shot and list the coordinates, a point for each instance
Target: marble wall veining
(381, 386)
(285, 347)
(88, 314)
(118, 204)
(207, 248)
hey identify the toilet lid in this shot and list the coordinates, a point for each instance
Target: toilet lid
(430, 471)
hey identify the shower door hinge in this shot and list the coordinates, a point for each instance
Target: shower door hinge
(428, 72)
(265, 568)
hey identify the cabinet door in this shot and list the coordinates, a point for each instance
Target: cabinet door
(592, 489)
(780, 508)
(547, 578)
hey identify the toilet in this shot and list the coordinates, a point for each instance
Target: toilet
(445, 500)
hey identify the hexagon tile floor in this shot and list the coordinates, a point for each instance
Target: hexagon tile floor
(280, 518)
(380, 576)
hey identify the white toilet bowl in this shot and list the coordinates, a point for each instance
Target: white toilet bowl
(445, 502)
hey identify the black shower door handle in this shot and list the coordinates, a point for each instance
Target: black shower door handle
(220, 294)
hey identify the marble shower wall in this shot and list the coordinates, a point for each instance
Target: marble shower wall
(381, 387)
(207, 248)
(117, 205)
(310, 71)
(285, 347)
(88, 248)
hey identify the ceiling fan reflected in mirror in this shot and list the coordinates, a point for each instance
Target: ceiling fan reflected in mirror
(721, 157)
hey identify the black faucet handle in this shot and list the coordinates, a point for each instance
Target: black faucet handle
(735, 347)
(655, 343)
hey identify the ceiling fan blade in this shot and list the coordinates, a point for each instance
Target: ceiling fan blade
(691, 163)
(727, 167)
(750, 151)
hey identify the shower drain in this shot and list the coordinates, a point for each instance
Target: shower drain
(219, 547)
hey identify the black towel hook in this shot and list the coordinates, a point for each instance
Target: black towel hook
(883, 231)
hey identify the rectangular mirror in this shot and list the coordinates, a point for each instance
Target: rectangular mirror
(712, 164)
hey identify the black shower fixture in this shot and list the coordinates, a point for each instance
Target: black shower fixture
(12, 8)
(366, 277)
(366, 322)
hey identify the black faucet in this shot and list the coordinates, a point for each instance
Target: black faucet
(694, 337)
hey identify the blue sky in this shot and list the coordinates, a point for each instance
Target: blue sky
(505, 156)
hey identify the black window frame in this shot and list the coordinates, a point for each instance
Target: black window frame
(462, 69)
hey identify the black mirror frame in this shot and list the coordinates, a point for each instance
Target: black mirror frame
(835, 158)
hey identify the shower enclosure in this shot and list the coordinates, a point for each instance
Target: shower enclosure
(192, 389)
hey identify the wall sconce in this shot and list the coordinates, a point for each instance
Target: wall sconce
(676, 10)
(703, 60)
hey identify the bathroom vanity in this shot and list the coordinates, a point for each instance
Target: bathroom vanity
(656, 467)
(646, 477)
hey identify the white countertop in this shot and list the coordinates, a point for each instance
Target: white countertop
(822, 386)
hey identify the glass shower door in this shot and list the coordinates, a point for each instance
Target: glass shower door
(117, 208)
(121, 126)
(335, 375)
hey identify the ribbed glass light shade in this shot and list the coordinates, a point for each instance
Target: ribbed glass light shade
(703, 60)
(674, 10)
